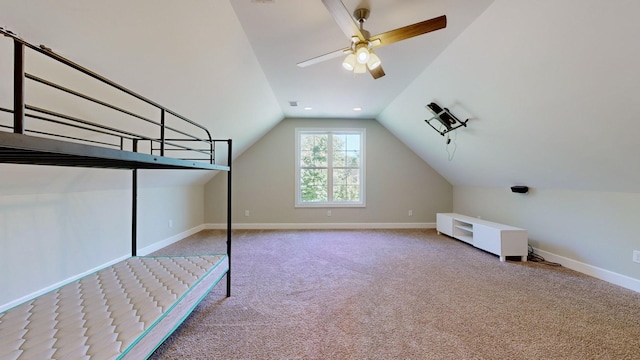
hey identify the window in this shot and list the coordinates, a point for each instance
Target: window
(330, 167)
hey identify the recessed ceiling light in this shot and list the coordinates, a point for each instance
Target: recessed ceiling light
(308, 108)
(357, 109)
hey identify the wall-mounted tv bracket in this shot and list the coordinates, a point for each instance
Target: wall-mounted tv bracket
(445, 117)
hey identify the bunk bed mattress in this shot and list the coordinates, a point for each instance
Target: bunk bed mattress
(123, 311)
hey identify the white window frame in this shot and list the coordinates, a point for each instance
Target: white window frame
(331, 203)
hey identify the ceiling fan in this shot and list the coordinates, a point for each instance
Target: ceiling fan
(360, 56)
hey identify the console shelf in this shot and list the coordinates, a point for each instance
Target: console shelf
(502, 240)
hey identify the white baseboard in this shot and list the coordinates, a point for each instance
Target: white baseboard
(142, 252)
(599, 273)
(168, 241)
(35, 294)
(320, 226)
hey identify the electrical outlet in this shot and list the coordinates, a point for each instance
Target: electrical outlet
(410, 212)
(246, 213)
(636, 256)
(170, 223)
(328, 212)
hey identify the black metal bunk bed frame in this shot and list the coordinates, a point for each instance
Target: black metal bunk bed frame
(17, 146)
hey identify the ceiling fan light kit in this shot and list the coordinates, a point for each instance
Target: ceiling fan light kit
(349, 62)
(360, 56)
(374, 61)
(362, 53)
(361, 59)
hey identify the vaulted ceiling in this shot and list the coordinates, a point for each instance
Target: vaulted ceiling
(549, 86)
(283, 33)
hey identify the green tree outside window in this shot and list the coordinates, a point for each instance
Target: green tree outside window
(330, 167)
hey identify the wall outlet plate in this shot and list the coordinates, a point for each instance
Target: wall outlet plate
(636, 256)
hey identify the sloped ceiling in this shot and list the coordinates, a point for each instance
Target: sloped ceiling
(192, 57)
(286, 32)
(549, 85)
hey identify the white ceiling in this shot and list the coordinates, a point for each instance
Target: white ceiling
(550, 85)
(283, 33)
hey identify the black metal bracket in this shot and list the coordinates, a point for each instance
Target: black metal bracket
(445, 118)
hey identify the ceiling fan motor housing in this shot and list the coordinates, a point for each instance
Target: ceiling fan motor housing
(361, 15)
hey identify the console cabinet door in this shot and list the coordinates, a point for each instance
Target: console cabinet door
(487, 239)
(444, 224)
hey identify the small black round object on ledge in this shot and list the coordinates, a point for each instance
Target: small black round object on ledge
(520, 189)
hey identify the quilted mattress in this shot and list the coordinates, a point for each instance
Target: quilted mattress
(123, 311)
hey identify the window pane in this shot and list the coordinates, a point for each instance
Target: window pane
(346, 150)
(352, 158)
(330, 167)
(346, 185)
(339, 158)
(353, 150)
(314, 185)
(338, 150)
(339, 142)
(313, 150)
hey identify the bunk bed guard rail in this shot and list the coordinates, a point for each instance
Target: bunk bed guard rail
(135, 140)
(169, 133)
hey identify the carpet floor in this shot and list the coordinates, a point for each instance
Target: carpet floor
(396, 294)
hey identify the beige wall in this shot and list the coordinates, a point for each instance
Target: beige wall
(166, 212)
(593, 232)
(58, 222)
(263, 182)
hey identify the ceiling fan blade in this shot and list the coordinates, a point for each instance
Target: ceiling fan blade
(342, 16)
(377, 72)
(410, 31)
(321, 58)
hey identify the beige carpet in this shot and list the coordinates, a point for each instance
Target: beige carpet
(406, 294)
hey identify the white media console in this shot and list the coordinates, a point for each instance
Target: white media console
(499, 239)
